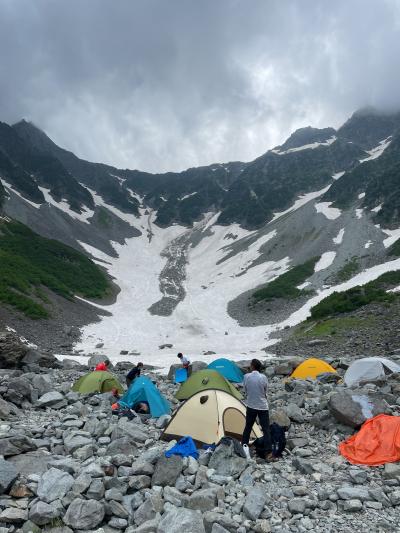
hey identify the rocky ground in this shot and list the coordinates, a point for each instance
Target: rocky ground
(67, 464)
(372, 330)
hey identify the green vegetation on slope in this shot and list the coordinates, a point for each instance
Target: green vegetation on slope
(351, 267)
(352, 299)
(332, 326)
(285, 286)
(28, 261)
(395, 249)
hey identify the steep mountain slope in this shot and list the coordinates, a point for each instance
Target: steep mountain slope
(189, 250)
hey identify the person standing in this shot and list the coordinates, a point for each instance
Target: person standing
(255, 386)
(133, 374)
(185, 363)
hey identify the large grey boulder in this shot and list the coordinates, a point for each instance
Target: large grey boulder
(51, 399)
(42, 383)
(84, 514)
(54, 485)
(149, 509)
(204, 499)
(353, 408)
(8, 474)
(354, 493)
(12, 350)
(13, 515)
(75, 440)
(176, 520)
(19, 391)
(226, 462)
(95, 359)
(15, 445)
(123, 445)
(5, 409)
(42, 513)
(34, 359)
(167, 470)
(255, 501)
(131, 429)
(294, 413)
(34, 462)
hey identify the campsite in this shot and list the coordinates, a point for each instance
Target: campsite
(78, 458)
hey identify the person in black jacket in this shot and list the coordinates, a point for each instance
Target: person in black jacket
(134, 373)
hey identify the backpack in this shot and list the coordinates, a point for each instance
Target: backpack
(278, 442)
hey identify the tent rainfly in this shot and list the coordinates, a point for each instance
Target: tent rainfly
(311, 368)
(228, 369)
(143, 390)
(369, 368)
(208, 416)
(203, 380)
(97, 381)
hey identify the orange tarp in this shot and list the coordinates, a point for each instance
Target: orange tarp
(377, 442)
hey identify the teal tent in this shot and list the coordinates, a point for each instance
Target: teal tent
(143, 389)
(228, 369)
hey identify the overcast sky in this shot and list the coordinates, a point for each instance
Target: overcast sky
(168, 84)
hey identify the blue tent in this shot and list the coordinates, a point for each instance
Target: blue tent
(143, 390)
(228, 369)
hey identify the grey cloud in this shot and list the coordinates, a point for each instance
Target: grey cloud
(168, 84)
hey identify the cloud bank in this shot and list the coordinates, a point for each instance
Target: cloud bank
(164, 85)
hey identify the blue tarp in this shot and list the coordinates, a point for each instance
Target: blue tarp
(184, 447)
(180, 375)
(143, 390)
(228, 369)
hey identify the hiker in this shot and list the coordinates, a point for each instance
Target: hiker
(255, 386)
(185, 363)
(133, 374)
(103, 366)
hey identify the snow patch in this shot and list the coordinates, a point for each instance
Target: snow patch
(377, 208)
(11, 188)
(311, 146)
(330, 212)
(378, 150)
(325, 261)
(368, 244)
(303, 285)
(361, 195)
(339, 237)
(394, 234)
(359, 213)
(338, 175)
(65, 207)
(186, 196)
(302, 200)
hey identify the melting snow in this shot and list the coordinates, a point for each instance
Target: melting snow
(330, 212)
(394, 234)
(311, 146)
(11, 188)
(361, 195)
(377, 208)
(303, 285)
(338, 175)
(339, 237)
(187, 196)
(325, 261)
(359, 213)
(98, 200)
(378, 150)
(302, 200)
(368, 244)
(64, 206)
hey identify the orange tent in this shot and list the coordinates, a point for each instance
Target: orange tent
(377, 442)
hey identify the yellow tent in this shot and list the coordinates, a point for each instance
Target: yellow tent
(311, 368)
(207, 416)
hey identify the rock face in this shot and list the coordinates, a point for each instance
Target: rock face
(353, 408)
(8, 473)
(84, 514)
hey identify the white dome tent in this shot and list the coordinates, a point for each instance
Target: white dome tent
(369, 368)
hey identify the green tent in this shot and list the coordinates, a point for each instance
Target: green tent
(203, 380)
(97, 381)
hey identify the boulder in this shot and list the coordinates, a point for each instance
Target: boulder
(123, 445)
(95, 359)
(8, 474)
(5, 409)
(34, 359)
(294, 413)
(34, 462)
(149, 509)
(42, 513)
(172, 369)
(225, 461)
(54, 485)
(12, 350)
(19, 391)
(51, 399)
(75, 440)
(131, 429)
(177, 519)
(203, 499)
(198, 365)
(84, 514)
(353, 408)
(15, 445)
(13, 515)
(71, 364)
(167, 470)
(255, 501)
